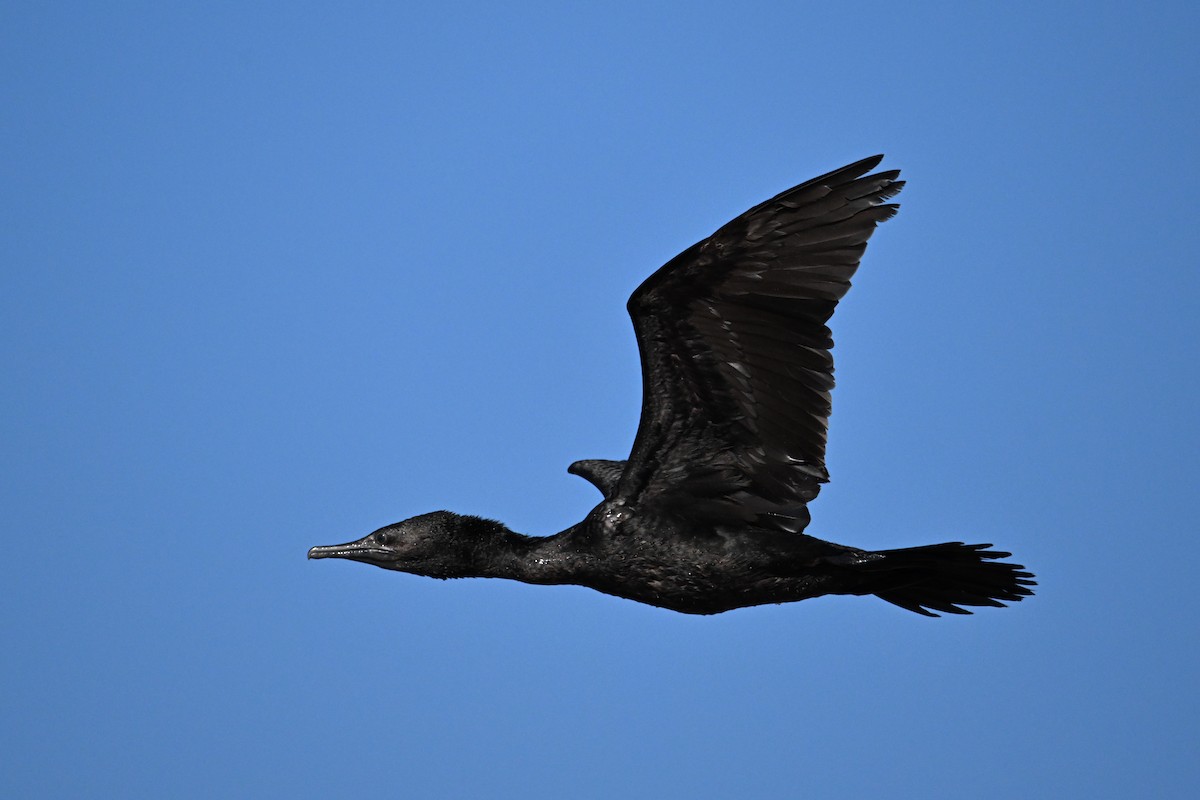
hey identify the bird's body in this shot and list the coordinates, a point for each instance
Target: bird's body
(706, 571)
(707, 513)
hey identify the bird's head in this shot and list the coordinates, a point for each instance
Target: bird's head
(437, 545)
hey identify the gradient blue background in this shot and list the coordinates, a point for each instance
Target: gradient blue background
(274, 275)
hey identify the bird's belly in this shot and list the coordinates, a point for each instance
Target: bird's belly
(698, 583)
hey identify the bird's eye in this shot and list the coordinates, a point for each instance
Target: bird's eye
(386, 538)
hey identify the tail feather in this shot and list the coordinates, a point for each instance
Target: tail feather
(943, 577)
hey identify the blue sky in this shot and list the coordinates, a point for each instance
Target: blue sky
(274, 275)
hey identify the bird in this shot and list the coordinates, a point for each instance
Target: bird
(709, 511)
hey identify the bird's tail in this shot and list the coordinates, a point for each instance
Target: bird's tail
(942, 577)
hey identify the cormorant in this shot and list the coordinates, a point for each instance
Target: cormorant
(709, 511)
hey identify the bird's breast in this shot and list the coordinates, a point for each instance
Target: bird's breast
(656, 561)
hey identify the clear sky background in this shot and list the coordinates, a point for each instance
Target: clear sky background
(274, 275)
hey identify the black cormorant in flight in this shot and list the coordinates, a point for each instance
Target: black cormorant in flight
(709, 511)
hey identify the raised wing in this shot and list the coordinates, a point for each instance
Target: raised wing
(736, 370)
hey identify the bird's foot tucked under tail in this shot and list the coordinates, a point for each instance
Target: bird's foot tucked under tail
(943, 577)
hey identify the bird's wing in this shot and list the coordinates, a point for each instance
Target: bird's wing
(736, 369)
(602, 473)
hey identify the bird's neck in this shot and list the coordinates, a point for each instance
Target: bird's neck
(530, 559)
